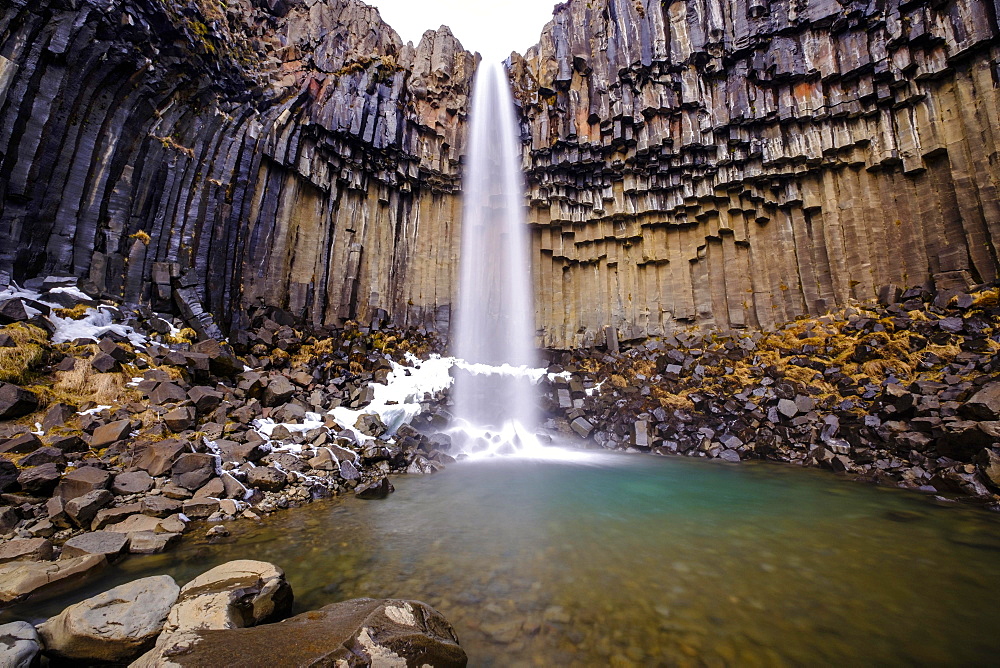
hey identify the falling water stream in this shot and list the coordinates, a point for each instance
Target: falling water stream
(495, 400)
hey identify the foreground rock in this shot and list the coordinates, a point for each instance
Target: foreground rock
(116, 626)
(233, 595)
(360, 632)
(18, 645)
(21, 579)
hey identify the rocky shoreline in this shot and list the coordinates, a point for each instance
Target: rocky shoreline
(904, 392)
(225, 615)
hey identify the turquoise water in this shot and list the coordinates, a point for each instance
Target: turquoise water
(637, 560)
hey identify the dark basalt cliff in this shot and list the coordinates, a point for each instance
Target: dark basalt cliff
(720, 163)
(219, 155)
(736, 163)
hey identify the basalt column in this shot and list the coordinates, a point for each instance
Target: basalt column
(211, 157)
(735, 163)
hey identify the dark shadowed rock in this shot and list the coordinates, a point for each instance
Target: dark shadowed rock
(180, 419)
(40, 480)
(21, 444)
(278, 391)
(16, 401)
(984, 404)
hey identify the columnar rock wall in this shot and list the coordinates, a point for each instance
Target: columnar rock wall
(735, 163)
(215, 156)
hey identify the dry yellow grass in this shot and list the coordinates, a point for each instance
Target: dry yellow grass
(78, 312)
(19, 364)
(84, 383)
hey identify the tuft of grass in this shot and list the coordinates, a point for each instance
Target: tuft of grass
(186, 335)
(78, 312)
(141, 236)
(19, 364)
(84, 383)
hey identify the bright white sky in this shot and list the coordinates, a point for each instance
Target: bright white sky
(494, 28)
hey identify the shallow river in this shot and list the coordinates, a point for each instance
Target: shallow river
(637, 560)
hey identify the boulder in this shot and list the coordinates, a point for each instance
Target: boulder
(132, 482)
(108, 516)
(37, 549)
(359, 632)
(9, 519)
(158, 458)
(40, 480)
(16, 401)
(233, 595)
(165, 393)
(205, 399)
(278, 391)
(82, 480)
(19, 645)
(83, 509)
(71, 443)
(115, 626)
(8, 475)
(134, 523)
(20, 444)
(21, 579)
(109, 543)
(192, 470)
(214, 488)
(989, 466)
(379, 489)
(150, 542)
(180, 419)
(110, 433)
(200, 508)
(43, 455)
(240, 452)
(266, 478)
(984, 404)
(160, 506)
(370, 424)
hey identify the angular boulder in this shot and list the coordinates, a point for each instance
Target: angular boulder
(16, 401)
(25, 548)
(984, 404)
(115, 626)
(21, 579)
(359, 632)
(132, 482)
(39, 480)
(108, 543)
(83, 509)
(110, 433)
(192, 470)
(378, 489)
(81, 481)
(266, 478)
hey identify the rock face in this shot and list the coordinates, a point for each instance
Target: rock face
(307, 159)
(734, 164)
(115, 626)
(360, 632)
(721, 163)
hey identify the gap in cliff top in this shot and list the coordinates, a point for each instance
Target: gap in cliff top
(494, 29)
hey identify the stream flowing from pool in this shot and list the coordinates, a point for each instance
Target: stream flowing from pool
(639, 560)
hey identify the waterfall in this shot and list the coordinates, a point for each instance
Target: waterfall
(495, 398)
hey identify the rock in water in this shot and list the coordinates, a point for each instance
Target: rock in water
(116, 626)
(233, 595)
(18, 645)
(359, 632)
(21, 579)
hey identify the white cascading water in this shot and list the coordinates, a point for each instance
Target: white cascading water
(495, 397)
